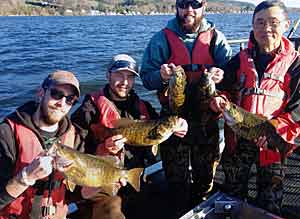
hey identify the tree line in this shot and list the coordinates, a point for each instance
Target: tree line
(19, 7)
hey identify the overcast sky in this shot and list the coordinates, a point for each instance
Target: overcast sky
(288, 3)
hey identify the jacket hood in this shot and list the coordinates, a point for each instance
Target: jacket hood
(23, 115)
(175, 27)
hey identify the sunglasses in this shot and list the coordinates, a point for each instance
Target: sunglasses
(58, 95)
(194, 4)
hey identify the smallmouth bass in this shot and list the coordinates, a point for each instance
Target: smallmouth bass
(95, 171)
(245, 124)
(251, 126)
(142, 132)
(176, 90)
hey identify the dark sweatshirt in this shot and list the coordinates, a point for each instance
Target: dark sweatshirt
(9, 150)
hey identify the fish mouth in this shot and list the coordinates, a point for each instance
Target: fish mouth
(230, 121)
(63, 164)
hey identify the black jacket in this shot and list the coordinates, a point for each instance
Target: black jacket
(88, 114)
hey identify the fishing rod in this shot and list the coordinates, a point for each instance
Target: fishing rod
(294, 28)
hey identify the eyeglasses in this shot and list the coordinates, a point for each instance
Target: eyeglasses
(122, 64)
(194, 4)
(261, 23)
(58, 95)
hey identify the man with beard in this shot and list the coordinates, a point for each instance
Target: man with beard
(117, 100)
(29, 187)
(194, 43)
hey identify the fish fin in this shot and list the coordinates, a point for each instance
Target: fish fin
(274, 122)
(124, 122)
(262, 116)
(166, 92)
(133, 177)
(154, 149)
(70, 185)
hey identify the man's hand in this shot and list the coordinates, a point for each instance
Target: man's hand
(115, 143)
(217, 104)
(182, 129)
(261, 142)
(218, 74)
(39, 168)
(166, 71)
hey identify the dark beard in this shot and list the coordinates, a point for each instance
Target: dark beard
(188, 29)
(44, 116)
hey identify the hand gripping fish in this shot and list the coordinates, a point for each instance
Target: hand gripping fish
(251, 126)
(94, 171)
(245, 124)
(142, 132)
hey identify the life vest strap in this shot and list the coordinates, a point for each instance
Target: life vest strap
(274, 76)
(259, 91)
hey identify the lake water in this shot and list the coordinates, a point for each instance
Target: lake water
(33, 47)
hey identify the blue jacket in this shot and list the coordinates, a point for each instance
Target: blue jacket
(157, 52)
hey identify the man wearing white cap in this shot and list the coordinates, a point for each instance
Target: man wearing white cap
(29, 187)
(116, 100)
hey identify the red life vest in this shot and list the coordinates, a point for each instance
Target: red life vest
(30, 147)
(180, 55)
(109, 113)
(269, 96)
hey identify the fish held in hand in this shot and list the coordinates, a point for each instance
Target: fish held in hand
(146, 132)
(251, 126)
(176, 90)
(95, 171)
(245, 124)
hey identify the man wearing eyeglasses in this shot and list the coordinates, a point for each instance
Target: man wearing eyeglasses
(117, 100)
(266, 76)
(25, 137)
(194, 43)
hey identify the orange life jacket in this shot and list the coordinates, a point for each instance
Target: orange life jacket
(109, 113)
(269, 95)
(180, 55)
(30, 147)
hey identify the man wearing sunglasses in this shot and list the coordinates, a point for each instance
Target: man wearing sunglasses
(194, 43)
(117, 100)
(264, 79)
(29, 187)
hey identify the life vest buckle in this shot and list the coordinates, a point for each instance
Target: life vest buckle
(48, 210)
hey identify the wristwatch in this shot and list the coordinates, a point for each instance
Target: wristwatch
(22, 178)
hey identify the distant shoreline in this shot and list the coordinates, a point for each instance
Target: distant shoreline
(116, 14)
(132, 13)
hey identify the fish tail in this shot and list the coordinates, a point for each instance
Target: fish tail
(134, 177)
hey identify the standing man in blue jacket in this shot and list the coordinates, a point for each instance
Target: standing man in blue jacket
(194, 43)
